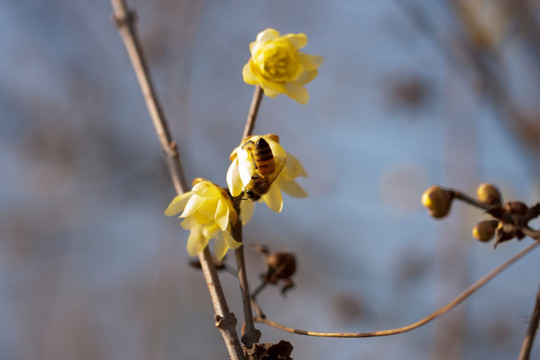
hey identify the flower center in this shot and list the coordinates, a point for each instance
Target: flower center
(277, 63)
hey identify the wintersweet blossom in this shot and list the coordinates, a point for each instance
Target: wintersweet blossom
(243, 170)
(208, 212)
(278, 67)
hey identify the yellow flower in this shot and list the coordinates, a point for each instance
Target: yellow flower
(278, 67)
(208, 212)
(243, 173)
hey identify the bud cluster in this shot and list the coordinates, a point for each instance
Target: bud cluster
(508, 219)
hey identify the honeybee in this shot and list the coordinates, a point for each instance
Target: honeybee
(266, 168)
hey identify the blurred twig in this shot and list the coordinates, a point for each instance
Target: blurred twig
(125, 21)
(526, 347)
(452, 304)
(253, 111)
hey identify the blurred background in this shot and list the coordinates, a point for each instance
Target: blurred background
(412, 93)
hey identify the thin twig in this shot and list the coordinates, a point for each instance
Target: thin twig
(253, 111)
(125, 21)
(225, 320)
(250, 335)
(526, 346)
(258, 310)
(469, 200)
(535, 234)
(477, 285)
(260, 288)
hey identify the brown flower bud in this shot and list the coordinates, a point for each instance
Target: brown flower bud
(437, 201)
(485, 230)
(283, 264)
(516, 207)
(488, 194)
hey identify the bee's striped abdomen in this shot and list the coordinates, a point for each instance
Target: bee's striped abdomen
(263, 157)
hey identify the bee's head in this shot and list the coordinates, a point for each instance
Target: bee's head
(252, 195)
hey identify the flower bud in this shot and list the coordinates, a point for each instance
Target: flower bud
(485, 230)
(516, 207)
(437, 201)
(283, 264)
(488, 194)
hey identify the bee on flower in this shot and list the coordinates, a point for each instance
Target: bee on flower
(277, 65)
(208, 213)
(261, 169)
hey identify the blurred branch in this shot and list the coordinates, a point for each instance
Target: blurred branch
(524, 19)
(125, 22)
(253, 111)
(225, 320)
(526, 347)
(452, 304)
(466, 50)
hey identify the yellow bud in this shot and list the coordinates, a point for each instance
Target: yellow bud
(485, 230)
(437, 201)
(488, 194)
(197, 180)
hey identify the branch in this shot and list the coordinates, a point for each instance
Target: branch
(125, 22)
(452, 304)
(470, 200)
(253, 111)
(526, 347)
(250, 335)
(225, 320)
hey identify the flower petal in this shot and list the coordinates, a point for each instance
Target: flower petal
(307, 76)
(297, 40)
(189, 223)
(268, 34)
(209, 231)
(178, 204)
(279, 154)
(245, 167)
(246, 211)
(271, 93)
(220, 248)
(208, 208)
(273, 198)
(196, 241)
(229, 240)
(233, 179)
(310, 62)
(249, 76)
(292, 188)
(200, 218)
(222, 214)
(206, 189)
(192, 205)
(297, 92)
(294, 168)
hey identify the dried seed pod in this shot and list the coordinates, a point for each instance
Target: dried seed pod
(485, 230)
(438, 201)
(283, 264)
(488, 194)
